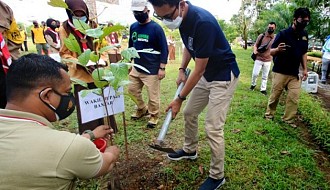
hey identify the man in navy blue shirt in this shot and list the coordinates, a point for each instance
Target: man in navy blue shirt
(289, 51)
(211, 83)
(146, 34)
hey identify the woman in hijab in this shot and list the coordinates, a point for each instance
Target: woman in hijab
(76, 9)
(53, 39)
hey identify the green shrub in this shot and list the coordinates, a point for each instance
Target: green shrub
(315, 54)
(317, 118)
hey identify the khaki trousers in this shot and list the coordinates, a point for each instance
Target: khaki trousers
(216, 96)
(280, 82)
(152, 83)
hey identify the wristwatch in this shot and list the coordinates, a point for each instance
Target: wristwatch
(91, 134)
(181, 97)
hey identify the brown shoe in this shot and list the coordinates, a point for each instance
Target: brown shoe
(140, 113)
(153, 121)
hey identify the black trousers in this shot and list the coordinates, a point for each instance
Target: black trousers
(25, 46)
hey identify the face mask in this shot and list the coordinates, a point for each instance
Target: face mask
(270, 30)
(301, 25)
(174, 24)
(82, 19)
(65, 108)
(52, 26)
(141, 17)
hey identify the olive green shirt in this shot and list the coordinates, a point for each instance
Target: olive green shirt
(35, 156)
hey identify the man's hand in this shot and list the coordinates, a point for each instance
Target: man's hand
(114, 150)
(103, 131)
(282, 47)
(161, 74)
(181, 77)
(175, 106)
(305, 75)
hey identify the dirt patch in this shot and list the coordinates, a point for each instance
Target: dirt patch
(143, 170)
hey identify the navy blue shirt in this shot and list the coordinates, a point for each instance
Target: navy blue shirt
(203, 37)
(288, 62)
(149, 36)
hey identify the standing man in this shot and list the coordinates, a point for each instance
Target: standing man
(147, 34)
(263, 58)
(289, 50)
(38, 38)
(56, 158)
(325, 60)
(211, 83)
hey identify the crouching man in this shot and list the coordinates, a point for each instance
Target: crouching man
(33, 155)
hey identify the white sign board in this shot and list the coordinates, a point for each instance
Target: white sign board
(92, 106)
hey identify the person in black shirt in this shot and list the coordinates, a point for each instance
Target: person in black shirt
(289, 51)
(212, 82)
(147, 34)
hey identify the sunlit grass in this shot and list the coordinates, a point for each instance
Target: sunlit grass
(260, 154)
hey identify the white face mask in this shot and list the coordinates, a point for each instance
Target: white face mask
(83, 18)
(174, 24)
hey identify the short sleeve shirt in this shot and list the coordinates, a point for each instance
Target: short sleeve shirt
(35, 156)
(288, 62)
(203, 37)
(149, 36)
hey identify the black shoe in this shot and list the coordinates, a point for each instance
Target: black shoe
(181, 154)
(264, 92)
(252, 87)
(212, 184)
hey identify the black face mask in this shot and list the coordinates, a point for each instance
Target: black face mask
(301, 25)
(270, 30)
(35, 25)
(65, 108)
(141, 17)
(53, 27)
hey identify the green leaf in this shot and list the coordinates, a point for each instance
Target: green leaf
(58, 3)
(84, 57)
(98, 73)
(80, 25)
(124, 82)
(101, 84)
(80, 82)
(120, 71)
(93, 57)
(106, 48)
(132, 97)
(72, 44)
(95, 33)
(97, 91)
(108, 30)
(108, 75)
(129, 54)
(84, 93)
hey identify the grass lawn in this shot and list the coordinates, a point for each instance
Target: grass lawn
(260, 154)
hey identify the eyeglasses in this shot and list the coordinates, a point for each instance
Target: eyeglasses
(168, 17)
